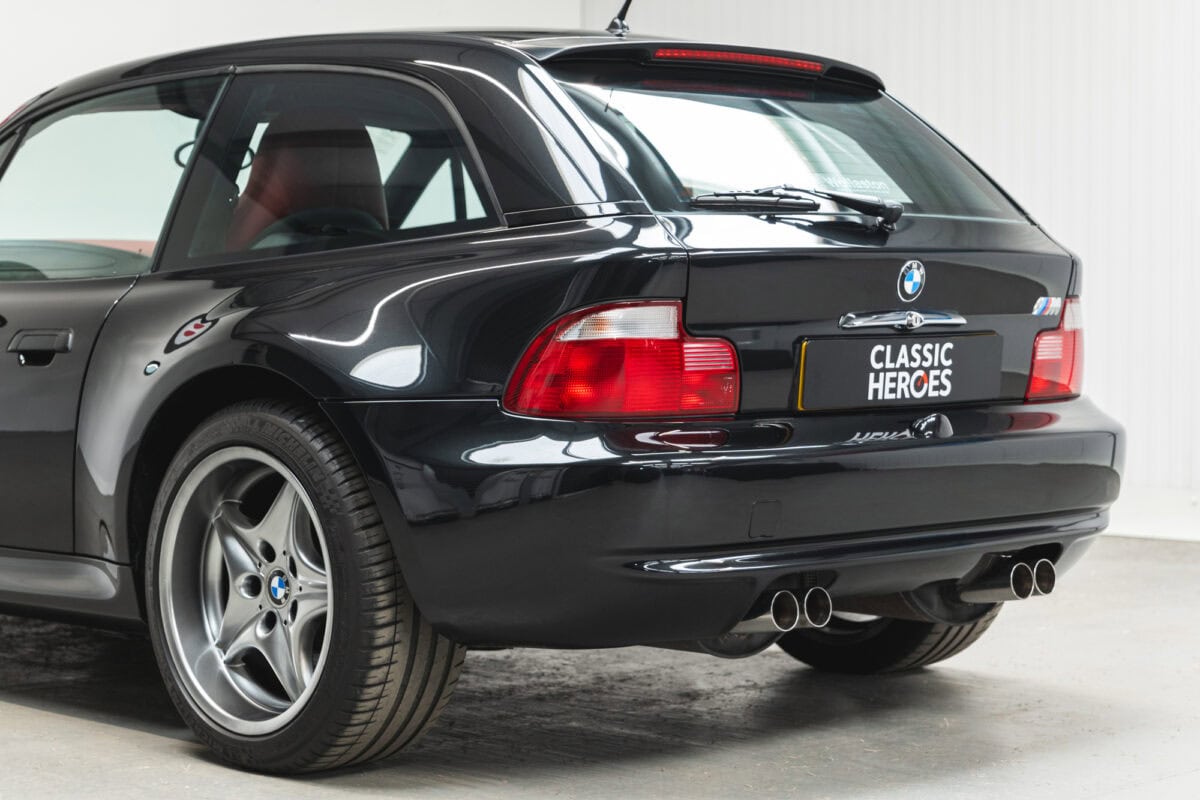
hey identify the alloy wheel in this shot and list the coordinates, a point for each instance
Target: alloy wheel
(245, 590)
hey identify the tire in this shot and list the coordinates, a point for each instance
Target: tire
(882, 645)
(262, 502)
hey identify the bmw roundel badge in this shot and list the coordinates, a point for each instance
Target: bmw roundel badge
(912, 281)
(278, 588)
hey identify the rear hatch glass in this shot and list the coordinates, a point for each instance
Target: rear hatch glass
(679, 138)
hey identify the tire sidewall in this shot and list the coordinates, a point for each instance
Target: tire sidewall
(277, 436)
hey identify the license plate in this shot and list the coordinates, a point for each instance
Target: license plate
(862, 372)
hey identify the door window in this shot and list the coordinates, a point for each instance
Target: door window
(87, 191)
(307, 162)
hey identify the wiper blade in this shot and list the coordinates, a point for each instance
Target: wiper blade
(888, 212)
(795, 199)
(753, 201)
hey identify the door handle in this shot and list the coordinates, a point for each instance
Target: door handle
(36, 348)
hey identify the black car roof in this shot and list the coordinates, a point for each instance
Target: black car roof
(540, 45)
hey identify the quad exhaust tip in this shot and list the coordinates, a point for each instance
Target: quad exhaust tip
(818, 608)
(787, 612)
(1019, 582)
(1045, 576)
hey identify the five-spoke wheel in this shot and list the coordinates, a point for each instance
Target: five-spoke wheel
(247, 603)
(286, 635)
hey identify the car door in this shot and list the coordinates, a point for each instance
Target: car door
(84, 195)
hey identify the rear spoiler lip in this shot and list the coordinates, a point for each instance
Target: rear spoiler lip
(641, 51)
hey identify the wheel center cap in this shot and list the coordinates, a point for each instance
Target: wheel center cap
(278, 588)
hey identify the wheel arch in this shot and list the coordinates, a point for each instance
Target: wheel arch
(172, 421)
(178, 416)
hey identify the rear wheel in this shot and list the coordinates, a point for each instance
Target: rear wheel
(862, 646)
(279, 617)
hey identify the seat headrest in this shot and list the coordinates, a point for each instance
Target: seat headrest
(308, 159)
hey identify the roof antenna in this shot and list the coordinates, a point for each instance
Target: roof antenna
(618, 27)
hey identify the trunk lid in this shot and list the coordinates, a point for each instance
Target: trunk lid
(771, 286)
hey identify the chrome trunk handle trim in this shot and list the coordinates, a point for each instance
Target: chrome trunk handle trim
(901, 320)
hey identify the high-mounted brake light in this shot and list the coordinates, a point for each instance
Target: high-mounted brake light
(733, 57)
(1057, 368)
(624, 360)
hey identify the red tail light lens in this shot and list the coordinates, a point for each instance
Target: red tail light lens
(1057, 369)
(624, 360)
(733, 57)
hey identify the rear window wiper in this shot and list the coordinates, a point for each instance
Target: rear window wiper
(795, 199)
(753, 201)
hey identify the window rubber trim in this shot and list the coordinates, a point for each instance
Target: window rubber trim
(197, 146)
(14, 144)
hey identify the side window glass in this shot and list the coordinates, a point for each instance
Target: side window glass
(439, 201)
(306, 162)
(87, 190)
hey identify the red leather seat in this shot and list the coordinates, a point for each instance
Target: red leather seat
(308, 160)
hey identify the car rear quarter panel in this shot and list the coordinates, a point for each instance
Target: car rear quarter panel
(463, 308)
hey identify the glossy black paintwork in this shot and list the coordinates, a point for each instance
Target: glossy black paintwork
(69, 587)
(590, 522)
(768, 285)
(471, 303)
(40, 405)
(518, 530)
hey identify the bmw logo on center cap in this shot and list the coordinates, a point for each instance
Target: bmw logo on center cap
(912, 281)
(278, 588)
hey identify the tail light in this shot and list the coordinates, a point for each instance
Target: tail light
(1057, 368)
(624, 360)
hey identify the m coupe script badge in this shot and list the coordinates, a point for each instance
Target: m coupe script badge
(912, 281)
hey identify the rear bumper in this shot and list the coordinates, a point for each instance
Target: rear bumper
(520, 531)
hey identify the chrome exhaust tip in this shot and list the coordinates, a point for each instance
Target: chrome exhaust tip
(786, 613)
(782, 615)
(1021, 581)
(818, 608)
(1045, 576)
(1001, 587)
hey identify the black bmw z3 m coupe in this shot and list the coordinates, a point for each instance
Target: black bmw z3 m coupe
(327, 359)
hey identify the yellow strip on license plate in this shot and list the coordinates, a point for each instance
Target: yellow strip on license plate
(803, 361)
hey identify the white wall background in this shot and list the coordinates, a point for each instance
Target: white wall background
(1087, 111)
(44, 42)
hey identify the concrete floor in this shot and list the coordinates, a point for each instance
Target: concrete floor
(1094, 692)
